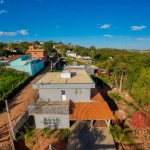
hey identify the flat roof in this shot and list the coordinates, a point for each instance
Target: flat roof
(77, 76)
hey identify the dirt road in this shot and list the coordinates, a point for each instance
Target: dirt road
(17, 106)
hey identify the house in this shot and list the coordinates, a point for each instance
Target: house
(67, 96)
(38, 53)
(90, 69)
(71, 54)
(25, 63)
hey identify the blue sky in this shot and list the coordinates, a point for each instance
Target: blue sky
(103, 23)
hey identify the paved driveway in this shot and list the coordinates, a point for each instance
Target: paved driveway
(17, 105)
(82, 137)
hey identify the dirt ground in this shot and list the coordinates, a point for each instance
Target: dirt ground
(17, 106)
(123, 115)
(41, 143)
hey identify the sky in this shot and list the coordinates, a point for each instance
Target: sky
(102, 23)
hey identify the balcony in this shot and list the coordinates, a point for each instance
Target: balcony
(52, 107)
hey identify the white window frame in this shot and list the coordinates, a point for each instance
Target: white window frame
(50, 121)
(79, 92)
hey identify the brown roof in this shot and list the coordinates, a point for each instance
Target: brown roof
(90, 111)
(13, 57)
(95, 95)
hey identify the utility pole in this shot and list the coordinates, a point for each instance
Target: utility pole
(12, 135)
(51, 65)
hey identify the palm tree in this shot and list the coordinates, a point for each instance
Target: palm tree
(27, 136)
(46, 132)
(120, 135)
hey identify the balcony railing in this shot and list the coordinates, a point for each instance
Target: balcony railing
(44, 107)
(55, 109)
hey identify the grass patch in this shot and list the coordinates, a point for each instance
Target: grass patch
(116, 97)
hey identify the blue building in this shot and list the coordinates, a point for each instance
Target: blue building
(25, 63)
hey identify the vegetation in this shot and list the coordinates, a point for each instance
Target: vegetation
(27, 136)
(46, 132)
(10, 81)
(62, 133)
(121, 135)
(127, 71)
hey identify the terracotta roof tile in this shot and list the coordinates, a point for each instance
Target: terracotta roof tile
(95, 95)
(90, 111)
(141, 120)
(13, 57)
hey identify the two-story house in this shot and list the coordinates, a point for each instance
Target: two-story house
(67, 96)
(38, 53)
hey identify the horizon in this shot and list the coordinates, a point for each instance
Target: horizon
(104, 24)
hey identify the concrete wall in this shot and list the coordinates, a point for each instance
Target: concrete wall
(64, 119)
(35, 68)
(21, 121)
(90, 71)
(19, 61)
(25, 68)
(55, 95)
(29, 68)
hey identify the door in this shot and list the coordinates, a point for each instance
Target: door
(63, 95)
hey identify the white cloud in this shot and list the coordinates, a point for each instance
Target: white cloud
(3, 11)
(105, 26)
(108, 35)
(143, 39)
(8, 33)
(137, 28)
(1, 1)
(23, 32)
(36, 35)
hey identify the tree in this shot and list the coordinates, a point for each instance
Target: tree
(27, 136)
(48, 46)
(120, 135)
(2, 45)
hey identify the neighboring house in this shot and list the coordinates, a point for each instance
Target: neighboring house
(38, 53)
(71, 54)
(65, 97)
(86, 57)
(25, 63)
(90, 69)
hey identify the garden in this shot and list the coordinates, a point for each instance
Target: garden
(42, 139)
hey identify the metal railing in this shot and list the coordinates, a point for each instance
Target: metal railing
(49, 109)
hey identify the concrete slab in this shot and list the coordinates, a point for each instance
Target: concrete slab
(82, 137)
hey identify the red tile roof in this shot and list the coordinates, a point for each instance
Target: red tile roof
(96, 110)
(141, 120)
(13, 57)
(95, 95)
(90, 111)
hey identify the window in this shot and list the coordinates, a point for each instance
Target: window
(63, 92)
(78, 92)
(48, 121)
